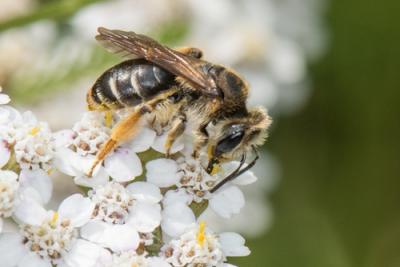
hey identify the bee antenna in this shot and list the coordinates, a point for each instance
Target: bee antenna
(237, 172)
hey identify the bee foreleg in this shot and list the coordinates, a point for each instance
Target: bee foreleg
(201, 139)
(177, 129)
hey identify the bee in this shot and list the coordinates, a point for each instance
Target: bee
(179, 89)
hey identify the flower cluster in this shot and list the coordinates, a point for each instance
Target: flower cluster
(138, 209)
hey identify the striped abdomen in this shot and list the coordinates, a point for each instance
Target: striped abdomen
(128, 84)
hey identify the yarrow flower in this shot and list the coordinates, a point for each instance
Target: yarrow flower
(45, 237)
(150, 222)
(77, 148)
(28, 156)
(26, 139)
(193, 183)
(123, 217)
(131, 258)
(199, 246)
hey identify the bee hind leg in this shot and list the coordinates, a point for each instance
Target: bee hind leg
(177, 129)
(124, 130)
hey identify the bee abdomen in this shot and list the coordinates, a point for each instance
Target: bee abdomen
(129, 84)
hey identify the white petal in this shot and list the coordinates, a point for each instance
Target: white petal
(29, 211)
(227, 201)
(4, 99)
(11, 249)
(4, 153)
(39, 180)
(143, 140)
(162, 172)
(63, 138)
(179, 195)
(145, 217)
(232, 244)
(83, 164)
(4, 115)
(176, 219)
(159, 143)
(123, 165)
(144, 191)
(244, 179)
(116, 237)
(29, 118)
(31, 194)
(9, 114)
(33, 260)
(99, 178)
(228, 265)
(72, 164)
(157, 262)
(77, 209)
(64, 161)
(86, 254)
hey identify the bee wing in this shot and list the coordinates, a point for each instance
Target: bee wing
(167, 58)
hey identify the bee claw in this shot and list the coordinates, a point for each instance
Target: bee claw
(90, 172)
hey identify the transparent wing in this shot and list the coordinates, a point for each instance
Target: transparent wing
(175, 62)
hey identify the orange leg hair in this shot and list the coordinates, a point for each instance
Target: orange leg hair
(127, 128)
(177, 129)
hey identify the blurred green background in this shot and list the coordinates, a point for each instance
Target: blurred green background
(338, 200)
(338, 203)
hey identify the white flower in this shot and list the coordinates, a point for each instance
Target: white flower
(198, 245)
(194, 184)
(33, 185)
(8, 193)
(77, 148)
(4, 99)
(46, 237)
(159, 143)
(30, 139)
(130, 258)
(123, 217)
(36, 150)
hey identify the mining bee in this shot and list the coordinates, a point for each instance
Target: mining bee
(177, 88)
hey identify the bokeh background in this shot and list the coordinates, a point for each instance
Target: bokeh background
(329, 189)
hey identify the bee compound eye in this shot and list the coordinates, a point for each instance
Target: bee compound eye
(228, 143)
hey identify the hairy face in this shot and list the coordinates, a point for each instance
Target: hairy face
(232, 138)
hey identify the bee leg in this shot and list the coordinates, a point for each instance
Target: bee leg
(126, 129)
(191, 51)
(123, 131)
(177, 129)
(201, 137)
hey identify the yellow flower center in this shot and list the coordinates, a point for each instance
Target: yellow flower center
(54, 219)
(201, 234)
(34, 131)
(108, 118)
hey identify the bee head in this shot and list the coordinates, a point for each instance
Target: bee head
(233, 137)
